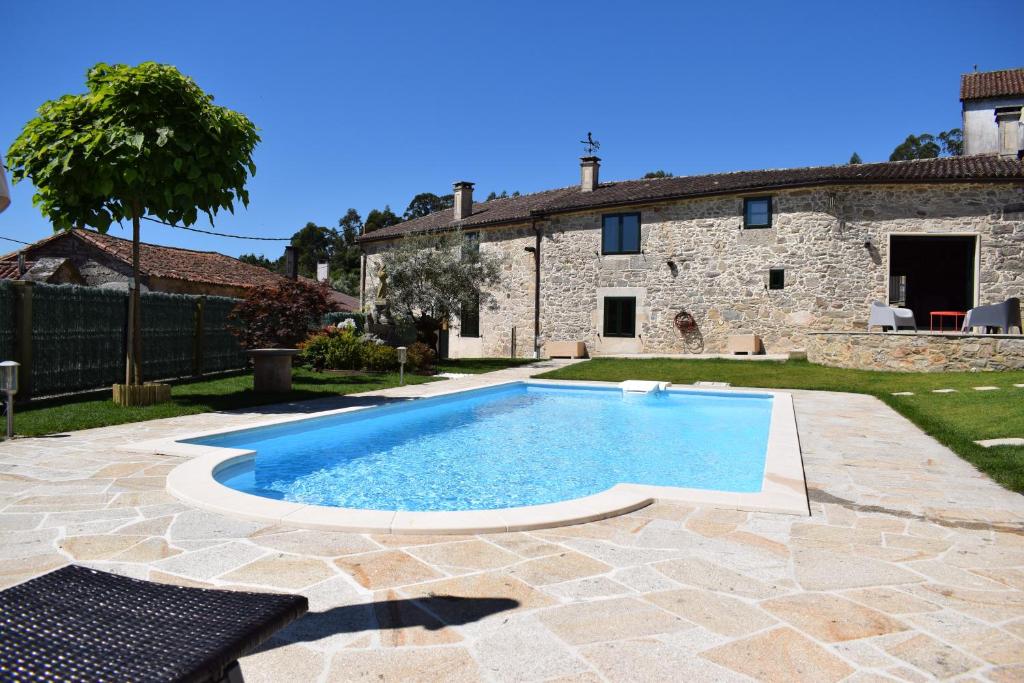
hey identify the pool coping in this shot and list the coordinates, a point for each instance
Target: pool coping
(193, 482)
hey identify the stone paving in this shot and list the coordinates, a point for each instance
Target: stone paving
(911, 567)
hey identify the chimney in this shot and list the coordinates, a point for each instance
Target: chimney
(589, 167)
(291, 263)
(1008, 120)
(21, 264)
(323, 271)
(463, 199)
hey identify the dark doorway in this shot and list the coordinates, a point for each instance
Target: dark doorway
(931, 273)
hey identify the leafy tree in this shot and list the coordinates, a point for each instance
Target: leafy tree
(503, 195)
(426, 203)
(351, 225)
(143, 140)
(279, 316)
(924, 146)
(428, 278)
(258, 260)
(658, 174)
(377, 219)
(952, 142)
(314, 244)
(855, 159)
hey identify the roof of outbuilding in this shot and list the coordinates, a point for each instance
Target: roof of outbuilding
(170, 262)
(1005, 83)
(524, 207)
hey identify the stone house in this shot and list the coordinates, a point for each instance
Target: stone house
(677, 265)
(991, 103)
(86, 257)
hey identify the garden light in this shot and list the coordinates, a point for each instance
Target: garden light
(403, 355)
(9, 385)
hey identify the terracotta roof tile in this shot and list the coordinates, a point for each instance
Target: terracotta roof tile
(9, 269)
(183, 264)
(1006, 83)
(520, 209)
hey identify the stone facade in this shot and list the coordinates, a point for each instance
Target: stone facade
(920, 352)
(697, 257)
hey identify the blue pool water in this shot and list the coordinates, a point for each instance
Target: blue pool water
(508, 446)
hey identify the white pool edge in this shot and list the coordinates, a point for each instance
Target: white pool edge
(783, 487)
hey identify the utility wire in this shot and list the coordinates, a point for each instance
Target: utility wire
(11, 239)
(219, 234)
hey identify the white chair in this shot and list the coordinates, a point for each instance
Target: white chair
(1002, 316)
(888, 316)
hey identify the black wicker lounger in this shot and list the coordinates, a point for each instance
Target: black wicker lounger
(78, 624)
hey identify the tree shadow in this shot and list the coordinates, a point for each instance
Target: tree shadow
(431, 613)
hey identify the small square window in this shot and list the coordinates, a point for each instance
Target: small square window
(776, 278)
(620, 233)
(757, 212)
(470, 245)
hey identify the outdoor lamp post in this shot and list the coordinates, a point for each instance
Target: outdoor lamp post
(403, 355)
(9, 385)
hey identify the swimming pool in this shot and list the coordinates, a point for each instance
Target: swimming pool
(552, 452)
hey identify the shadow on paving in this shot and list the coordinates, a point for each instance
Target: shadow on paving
(432, 613)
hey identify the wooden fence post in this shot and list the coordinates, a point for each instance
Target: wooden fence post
(23, 336)
(197, 339)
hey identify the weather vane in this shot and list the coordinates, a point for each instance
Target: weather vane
(590, 144)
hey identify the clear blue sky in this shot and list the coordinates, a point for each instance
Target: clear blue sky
(366, 104)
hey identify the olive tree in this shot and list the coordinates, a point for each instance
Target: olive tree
(141, 141)
(428, 278)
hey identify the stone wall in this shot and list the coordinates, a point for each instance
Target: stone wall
(696, 257)
(916, 352)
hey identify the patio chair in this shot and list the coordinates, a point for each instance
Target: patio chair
(997, 316)
(78, 624)
(889, 316)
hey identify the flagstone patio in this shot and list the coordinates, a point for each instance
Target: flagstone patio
(911, 567)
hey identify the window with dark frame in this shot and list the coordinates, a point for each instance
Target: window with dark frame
(620, 316)
(469, 319)
(776, 278)
(757, 212)
(470, 244)
(620, 233)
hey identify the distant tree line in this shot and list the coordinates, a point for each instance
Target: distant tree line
(338, 247)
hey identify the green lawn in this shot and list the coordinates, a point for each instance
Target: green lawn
(188, 398)
(956, 419)
(475, 366)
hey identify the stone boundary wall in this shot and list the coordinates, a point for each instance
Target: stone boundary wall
(916, 352)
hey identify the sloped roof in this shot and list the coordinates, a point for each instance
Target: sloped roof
(9, 269)
(1005, 83)
(522, 208)
(160, 261)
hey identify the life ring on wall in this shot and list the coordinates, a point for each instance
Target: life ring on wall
(684, 322)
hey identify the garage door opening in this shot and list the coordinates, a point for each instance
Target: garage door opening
(931, 273)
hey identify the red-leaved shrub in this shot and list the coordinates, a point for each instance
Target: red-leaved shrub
(279, 316)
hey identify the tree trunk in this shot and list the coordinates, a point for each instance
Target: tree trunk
(133, 364)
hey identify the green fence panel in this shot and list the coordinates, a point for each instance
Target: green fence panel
(168, 335)
(6, 320)
(77, 337)
(221, 349)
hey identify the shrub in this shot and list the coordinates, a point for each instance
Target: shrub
(335, 317)
(380, 357)
(421, 357)
(345, 351)
(279, 316)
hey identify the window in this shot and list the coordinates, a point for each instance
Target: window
(620, 316)
(620, 233)
(469, 319)
(470, 244)
(757, 212)
(776, 278)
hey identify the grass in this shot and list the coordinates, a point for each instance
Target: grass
(955, 419)
(475, 366)
(189, 398)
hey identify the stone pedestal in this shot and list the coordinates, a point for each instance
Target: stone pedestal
(273, 369)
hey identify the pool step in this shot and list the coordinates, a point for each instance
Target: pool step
(640, 386)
